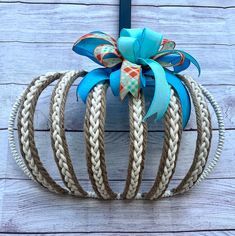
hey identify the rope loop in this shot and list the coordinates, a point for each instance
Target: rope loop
(29, 161)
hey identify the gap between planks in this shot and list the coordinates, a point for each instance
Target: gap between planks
(76, 84)
(215, 232)
(117, 180)
(115, 4)
(117, 159)
(116, 131)
(208, 205)
(71, 43)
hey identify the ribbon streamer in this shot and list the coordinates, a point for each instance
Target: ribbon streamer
(138, 59)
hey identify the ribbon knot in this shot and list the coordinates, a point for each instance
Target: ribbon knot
(136, 44)
(139, 58)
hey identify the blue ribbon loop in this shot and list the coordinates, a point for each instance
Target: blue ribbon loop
(141, 47)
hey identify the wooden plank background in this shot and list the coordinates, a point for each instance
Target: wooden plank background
(36, 37)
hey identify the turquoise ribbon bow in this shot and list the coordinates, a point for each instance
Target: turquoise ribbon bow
(144, 50)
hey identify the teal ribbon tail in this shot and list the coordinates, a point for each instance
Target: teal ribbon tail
(188, 59)
(184, 66)
(183, 95)
(161, 97)
(191, 59)
(114, 79)
(93, 78)
(141, 47)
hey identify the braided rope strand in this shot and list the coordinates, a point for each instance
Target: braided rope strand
(94, 135)
(220, 145)
(203, 138)
(26, 132)
(209, 168)
(58, 138)
(36, 92)
(138, 143)
(11, 138)
(172, 137)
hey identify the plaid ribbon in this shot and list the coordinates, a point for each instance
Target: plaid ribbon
(107, 54)
(139, 54)
(130, 79)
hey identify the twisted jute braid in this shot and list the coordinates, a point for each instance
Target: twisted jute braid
(58, 138)
(23, 163)
(94, 136)
(221, 128)
(137, 149)
(172, 137)
(26, 132)
(204, 136)
(11, 138)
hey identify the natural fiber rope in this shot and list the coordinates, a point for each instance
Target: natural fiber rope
(94, 136)
(172, 138)
(11, 138)
(26, 132)
(137, 149)
(203, 139)
(20, 159)
(94, 132)
(58, 138)
(211, 165)
(219, 148)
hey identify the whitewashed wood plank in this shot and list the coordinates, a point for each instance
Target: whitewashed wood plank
(2, 188)
(30, 22)
(3, 154)
(20, 62)
(204, 233)
(117, 155)
(30, 209)
(117, 112)
(196, 3)
(18, 198)
(188, 233)
(207, 3)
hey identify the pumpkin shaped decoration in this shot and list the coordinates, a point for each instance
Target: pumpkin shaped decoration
(138, 60)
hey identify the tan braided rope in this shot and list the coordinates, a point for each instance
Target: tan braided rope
(137, 149)
(11, 138)
(209, 168)
(94, 133)
(28, 170)
(26, 132)
(204, 135)
(203, 139)
(94, 136)
(58, 138)
(172, 138)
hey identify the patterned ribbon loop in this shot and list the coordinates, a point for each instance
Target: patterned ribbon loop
(140, 58)
(107, 55)
(99, 36)
(167, 45)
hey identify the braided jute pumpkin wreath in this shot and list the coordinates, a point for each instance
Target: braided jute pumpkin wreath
(29, 160)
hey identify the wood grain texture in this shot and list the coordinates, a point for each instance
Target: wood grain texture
(187, 233)
(28, 208)
(67, 22)
(117, 111)
(36, 37)
(19, 62)
(180, 3)
(117, 155)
